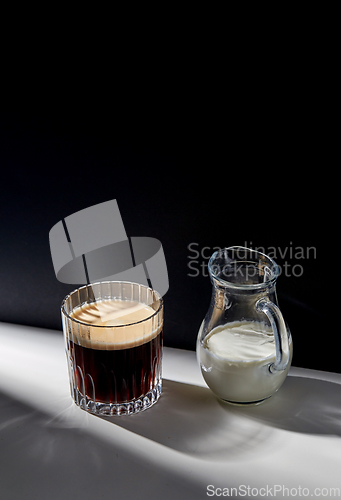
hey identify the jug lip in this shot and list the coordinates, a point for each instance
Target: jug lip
(270, 266)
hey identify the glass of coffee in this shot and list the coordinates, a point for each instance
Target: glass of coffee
(113, 337)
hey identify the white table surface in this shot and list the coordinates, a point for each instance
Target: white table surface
(287, 447)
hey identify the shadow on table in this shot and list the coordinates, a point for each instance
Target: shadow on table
(44, 456)
(302, 404)
(192, 420)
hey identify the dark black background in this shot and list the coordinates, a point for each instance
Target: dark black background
(183, 173)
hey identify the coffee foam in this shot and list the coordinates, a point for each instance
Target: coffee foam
(114, 324)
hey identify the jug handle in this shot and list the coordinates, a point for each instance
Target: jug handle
(280, 333)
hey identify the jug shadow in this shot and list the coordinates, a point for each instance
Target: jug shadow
(190, 419)
(302, 405)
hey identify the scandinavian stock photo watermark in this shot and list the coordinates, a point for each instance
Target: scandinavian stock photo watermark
(290, 259)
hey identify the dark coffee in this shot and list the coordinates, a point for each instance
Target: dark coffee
(117, 375)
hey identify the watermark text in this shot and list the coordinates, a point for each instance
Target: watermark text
(277, 490)
(290, 259)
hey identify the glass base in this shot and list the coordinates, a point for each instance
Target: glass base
(116, 409)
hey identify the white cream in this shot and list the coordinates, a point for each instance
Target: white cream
(235, 360)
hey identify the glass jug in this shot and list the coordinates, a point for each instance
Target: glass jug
(244, 346)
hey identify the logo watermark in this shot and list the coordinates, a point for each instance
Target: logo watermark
(291, 258)
(92, 245)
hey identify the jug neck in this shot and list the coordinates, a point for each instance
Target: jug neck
(240, 270)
